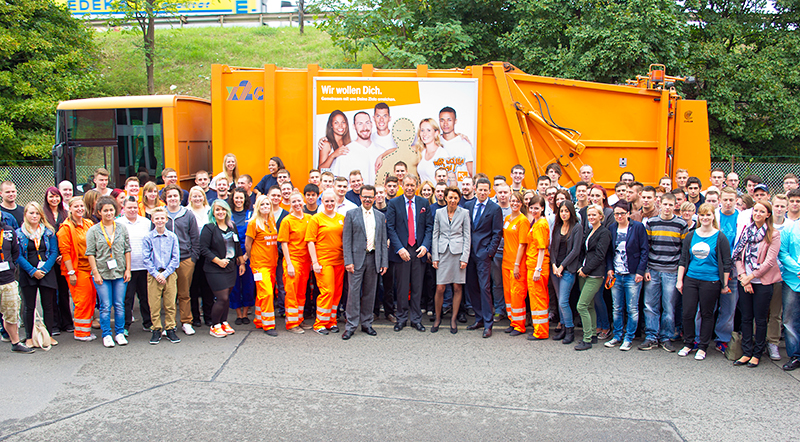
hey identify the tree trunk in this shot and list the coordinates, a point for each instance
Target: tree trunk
(150, 48)
(300, 13)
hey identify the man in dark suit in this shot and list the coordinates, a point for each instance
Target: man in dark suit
(409, 229)
(487, 231)
(365, 257)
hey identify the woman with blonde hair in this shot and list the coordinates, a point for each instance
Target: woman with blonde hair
(261, 243)
(430, 152)
(426, 190)
(75, 264)
(38, 251)
(199, 290)
(90, 201)
(150, 199)
(230, 170)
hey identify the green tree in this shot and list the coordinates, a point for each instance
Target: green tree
(745, 57)
(606, 41)
(144, 14)
(45, 56)
(444, 34)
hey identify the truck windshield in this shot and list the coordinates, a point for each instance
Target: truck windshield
(126, 142)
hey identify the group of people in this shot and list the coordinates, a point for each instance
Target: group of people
(702, 263)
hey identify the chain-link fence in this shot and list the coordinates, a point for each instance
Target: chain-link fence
(31, 180)
(771, 170)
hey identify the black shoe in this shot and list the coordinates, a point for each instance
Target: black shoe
(434, 328)
(156, 338)
(55, 332)
(208, 323)
(271, 332)
(238, 321)
(475, 325)
(172, 336)
(334, 329)
(509, 329)
(594, 339)
(515, 332)
(583, 346)
(470, 312)
(418, 327)
(461, 317)
(369, 330)
(347, 335)
(487, 333)
(196, 323)
(570, 336)
(453, 330)
(398, 326)
(532, 337)
(69, 329)
(19, 347)
(245, 320)
(793, 364)
(560, 334)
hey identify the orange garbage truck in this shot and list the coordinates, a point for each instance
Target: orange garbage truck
(485, 118)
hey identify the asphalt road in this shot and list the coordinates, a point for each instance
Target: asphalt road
(406, 385)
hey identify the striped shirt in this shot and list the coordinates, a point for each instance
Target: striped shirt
(665, 238)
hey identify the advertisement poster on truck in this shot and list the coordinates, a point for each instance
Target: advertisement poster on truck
(371, 124)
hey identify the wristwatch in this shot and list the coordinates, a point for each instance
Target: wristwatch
(538, 269)
(71, 272)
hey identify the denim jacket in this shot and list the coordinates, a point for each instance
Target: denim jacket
(51, 251)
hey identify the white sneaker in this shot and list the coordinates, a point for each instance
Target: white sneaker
(700, 355)
(120, 338)
(108, 341)
(187, 328)
(625, 346)
(612, 343)
(91, 337)
(774, 354)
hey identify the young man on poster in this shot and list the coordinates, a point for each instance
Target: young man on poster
(382, 138)
(357, 157)
(459, 148)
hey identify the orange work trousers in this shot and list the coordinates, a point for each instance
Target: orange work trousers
(540, 301)
(84, 296)
(265, 298)
(295, 291)
(329, 281)
(514, 291)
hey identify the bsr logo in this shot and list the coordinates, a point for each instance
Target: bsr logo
(245, 92)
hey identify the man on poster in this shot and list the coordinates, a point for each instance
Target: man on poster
(359, 151)
(459, 148)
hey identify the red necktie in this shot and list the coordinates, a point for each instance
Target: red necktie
(411, 237)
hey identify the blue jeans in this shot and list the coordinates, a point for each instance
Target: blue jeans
(112, 291)
(791, 321)
(659, 306)
(564, 287)
(601, 310)
(625, 295)
(727, 310)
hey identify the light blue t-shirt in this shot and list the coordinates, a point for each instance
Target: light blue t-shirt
(727, 224)
(703, 265)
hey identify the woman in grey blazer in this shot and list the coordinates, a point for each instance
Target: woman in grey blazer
(451, 246)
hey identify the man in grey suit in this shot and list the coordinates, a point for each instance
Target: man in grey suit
(366, 255)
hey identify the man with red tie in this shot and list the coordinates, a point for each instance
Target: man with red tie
(409, 230)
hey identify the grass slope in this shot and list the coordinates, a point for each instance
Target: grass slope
(184, 56)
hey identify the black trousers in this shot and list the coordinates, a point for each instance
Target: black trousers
(409, 275)
(705, 294)
(48, 306)
(200, 291)
(137, 286)
(385, 294)
(754, 306)
(62, 311)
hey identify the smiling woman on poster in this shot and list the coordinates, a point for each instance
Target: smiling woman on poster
(430, 153)
(337, 136)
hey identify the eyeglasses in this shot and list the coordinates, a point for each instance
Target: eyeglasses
(620, 213)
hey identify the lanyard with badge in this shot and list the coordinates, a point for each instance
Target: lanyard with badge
(4, 265)
(37, 242)
(112, 263)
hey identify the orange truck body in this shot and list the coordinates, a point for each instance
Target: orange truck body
(643, 127)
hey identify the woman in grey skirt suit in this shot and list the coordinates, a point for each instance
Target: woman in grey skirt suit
(451, 245)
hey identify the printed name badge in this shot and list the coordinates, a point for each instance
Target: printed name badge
(4, 266)
(505, 226)
(257, 277)
(40, 265)
(112, 264)
(236, 237)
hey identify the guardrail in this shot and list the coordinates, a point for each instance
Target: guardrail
(262, 19)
